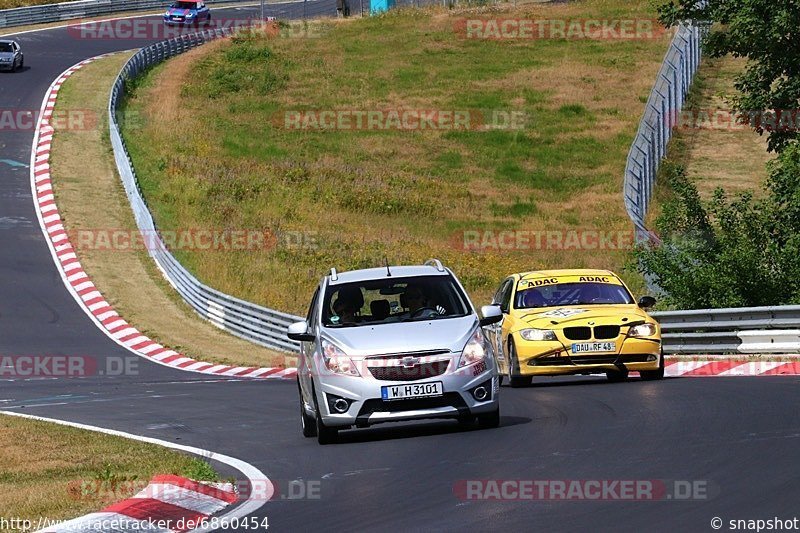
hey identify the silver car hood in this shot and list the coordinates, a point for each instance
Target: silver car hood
(6, 55)
(441, 334)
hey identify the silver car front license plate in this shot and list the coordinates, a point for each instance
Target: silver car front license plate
(412, 390)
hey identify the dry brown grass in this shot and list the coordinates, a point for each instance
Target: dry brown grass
(733, 159)
(90, 197)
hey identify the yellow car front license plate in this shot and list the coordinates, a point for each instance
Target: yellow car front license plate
(593, 347)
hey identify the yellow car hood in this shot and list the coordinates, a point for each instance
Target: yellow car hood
(579, 315)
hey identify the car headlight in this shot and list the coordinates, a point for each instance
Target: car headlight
(337, 361)
(533, 334)
(189, 15)
(643, 330)
(475, 351)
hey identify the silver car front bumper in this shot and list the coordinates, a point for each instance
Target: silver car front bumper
(366, 407)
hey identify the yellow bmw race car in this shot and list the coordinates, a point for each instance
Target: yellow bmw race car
(558, 322)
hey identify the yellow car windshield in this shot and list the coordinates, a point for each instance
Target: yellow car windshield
(562, 294)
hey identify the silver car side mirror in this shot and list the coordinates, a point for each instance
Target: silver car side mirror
(299, 332)
(492, 314)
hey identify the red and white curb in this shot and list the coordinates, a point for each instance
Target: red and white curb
(77, 280)
(257, 488)
(728, 368)
(168, 504)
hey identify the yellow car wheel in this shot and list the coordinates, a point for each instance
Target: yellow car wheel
(516, 381)
(654, 375)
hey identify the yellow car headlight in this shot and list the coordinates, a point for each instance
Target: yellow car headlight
(643, 330)
(534, 334)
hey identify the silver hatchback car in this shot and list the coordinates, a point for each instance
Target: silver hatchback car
(391, 344)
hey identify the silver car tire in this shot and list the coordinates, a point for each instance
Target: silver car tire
(489, 420)
(325, 434)
(307, 423)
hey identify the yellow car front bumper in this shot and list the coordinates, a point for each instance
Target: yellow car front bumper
(550, 358)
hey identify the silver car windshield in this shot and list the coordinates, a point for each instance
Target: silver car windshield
(393, 300)
(6, 47)
(562, 294)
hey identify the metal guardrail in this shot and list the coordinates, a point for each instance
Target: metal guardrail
(655, 129)
(727, 330)
(770, 341)
(23, 16)
(249, 321)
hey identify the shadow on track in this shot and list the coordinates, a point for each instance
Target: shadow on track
(579, 381)
(415, 430)
(18, 71)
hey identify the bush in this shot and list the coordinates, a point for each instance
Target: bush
(729, 252)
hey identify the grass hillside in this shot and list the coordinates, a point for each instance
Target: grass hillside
(212, 151)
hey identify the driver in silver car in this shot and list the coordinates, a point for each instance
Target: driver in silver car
(348, 303)
(414, 299)
(418, 303)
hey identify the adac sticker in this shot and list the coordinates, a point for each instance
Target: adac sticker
(540, 282)
(597, 279)
(564, 313)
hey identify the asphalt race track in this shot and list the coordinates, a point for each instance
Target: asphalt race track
(737, 437)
